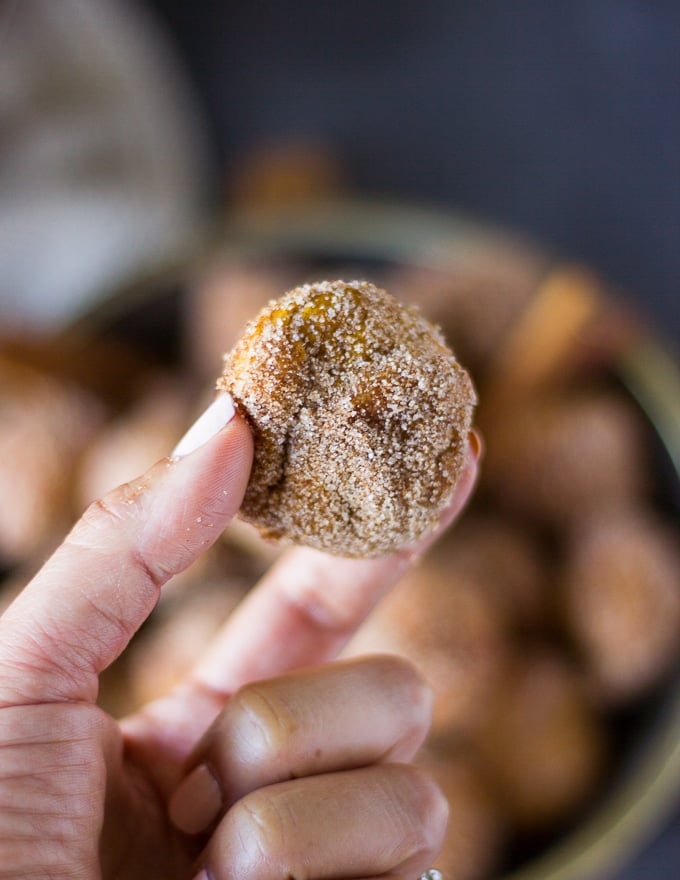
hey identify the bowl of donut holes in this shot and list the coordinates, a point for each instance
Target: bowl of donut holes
(547, 621)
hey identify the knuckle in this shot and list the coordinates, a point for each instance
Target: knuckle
(410, 696)
(403, 679)
(102, 514)
(113, 518)
(263, 723)
(319, 608)
(261, 825)
(426, 813)
(434, 810)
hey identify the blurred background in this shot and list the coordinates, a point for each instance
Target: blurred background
(561, 119)
(127, 126)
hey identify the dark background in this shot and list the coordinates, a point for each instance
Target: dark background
(560, 119)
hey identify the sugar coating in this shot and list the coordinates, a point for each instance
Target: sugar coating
(360, 413)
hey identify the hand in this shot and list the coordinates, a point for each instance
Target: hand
(236, 773)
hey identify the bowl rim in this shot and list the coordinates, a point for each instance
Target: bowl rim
(428, 237)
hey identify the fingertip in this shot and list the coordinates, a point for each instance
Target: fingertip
(211, 479)
(466, 482)
(476, 444)
(197, 801)
(235, 450)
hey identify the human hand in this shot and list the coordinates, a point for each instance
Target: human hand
(247, 768)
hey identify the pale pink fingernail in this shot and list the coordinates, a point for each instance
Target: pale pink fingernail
(197, 802)
(220, 412)
(476, 444)
(202, 875)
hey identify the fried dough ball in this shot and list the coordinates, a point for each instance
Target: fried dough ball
(543, 745)
(147, 431)
(44, 427)
(281, 174)
(476, 308)
(622, 597)
(361, 417)
(454, 635)
(503, 559)
(220, 302)
(564, 457)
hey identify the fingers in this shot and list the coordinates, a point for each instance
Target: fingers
(300, 769)
(302, 612)
(382, 820)
(309, 604)
(331, 718)
(80, 611)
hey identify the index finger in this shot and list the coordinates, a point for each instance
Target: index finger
(80, 611)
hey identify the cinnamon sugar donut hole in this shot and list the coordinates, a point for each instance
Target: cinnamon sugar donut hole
(361, 416)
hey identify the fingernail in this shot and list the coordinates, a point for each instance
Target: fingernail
(197, 802)
(202, 875)
(220, 412)
(476, 443)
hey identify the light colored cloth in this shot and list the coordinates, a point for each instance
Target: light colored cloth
(102, 157)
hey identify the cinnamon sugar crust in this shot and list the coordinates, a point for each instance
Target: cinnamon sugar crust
(361, 416)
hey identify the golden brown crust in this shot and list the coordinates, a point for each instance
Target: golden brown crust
(361, 416)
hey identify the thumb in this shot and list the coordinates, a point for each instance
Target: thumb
(82, 608)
